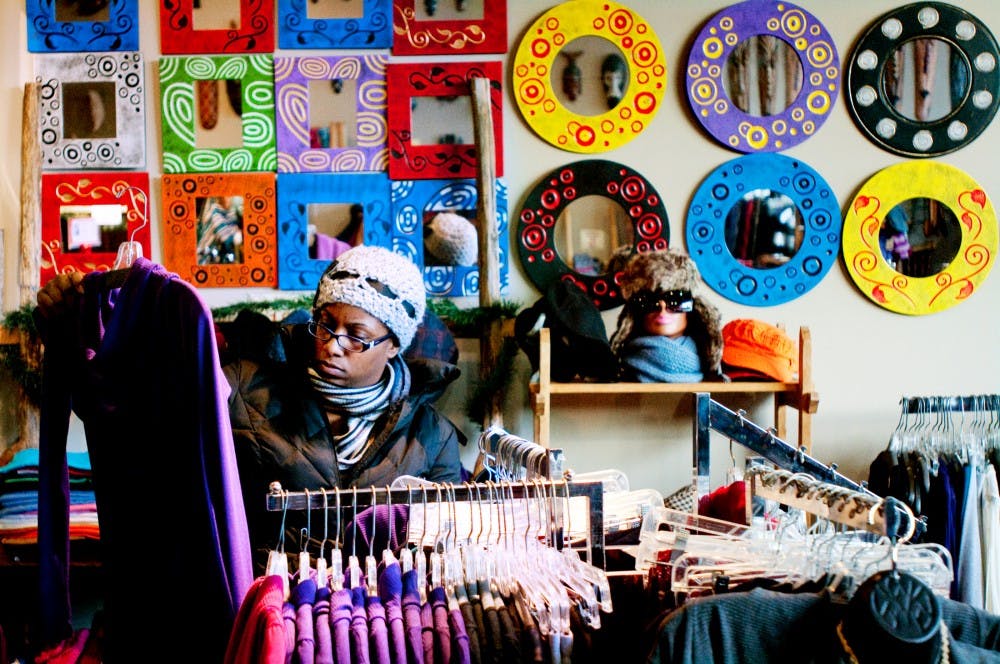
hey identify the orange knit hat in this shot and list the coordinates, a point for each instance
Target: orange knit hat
(761, 347)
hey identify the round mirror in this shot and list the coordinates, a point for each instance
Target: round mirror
(923, 79)
(762, 77)
(592, 77)
(926, 79)
(581, 218)
(589, 231)
(919, 237)
(763, 229)
(589, 75)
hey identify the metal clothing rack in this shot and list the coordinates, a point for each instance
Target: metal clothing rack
(710, 416)
(969, 403)
(280, 500)
(511, 452)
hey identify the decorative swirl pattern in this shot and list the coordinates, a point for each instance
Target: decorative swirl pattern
(371, 30)
(120, 32)
(449, 37)
(292, 78)
(416, 201)
(715, 44)
(559, 188)
(535, 60)
(179, 36)
(960, 278)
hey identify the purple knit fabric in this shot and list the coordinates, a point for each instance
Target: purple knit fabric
(388, 532)
(303, 597)
(378, 630)
(411, 618)
(359, 627)
(141, 362)
(321, 623)
(427, 633)
(442, 633)
(288, 613)
(390, 591)
(340, 623)
(459, 638)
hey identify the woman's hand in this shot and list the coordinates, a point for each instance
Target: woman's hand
(56, 296)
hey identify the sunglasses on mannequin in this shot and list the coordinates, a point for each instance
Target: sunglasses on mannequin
(647, 302)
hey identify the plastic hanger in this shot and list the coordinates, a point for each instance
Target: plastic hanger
(371, 564)
(322, 578)
(353, 564)
(277, 562)
(305, 564)
(128, 251)
(336, 557)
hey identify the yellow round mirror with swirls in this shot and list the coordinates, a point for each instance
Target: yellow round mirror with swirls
(920, 237)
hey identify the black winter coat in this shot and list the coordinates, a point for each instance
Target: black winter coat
(281, 432)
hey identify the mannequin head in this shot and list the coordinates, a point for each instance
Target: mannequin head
(662, 313)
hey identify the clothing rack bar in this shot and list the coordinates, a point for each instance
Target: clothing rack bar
(279, 500)
(710, 416)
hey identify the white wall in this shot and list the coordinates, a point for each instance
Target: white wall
(865, 357)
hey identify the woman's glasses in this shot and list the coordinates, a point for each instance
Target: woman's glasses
(348, 342)
(647, 301)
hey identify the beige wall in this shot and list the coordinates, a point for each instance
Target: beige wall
(865, 357)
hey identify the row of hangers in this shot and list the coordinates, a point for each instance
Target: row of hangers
(515, 546)
(932, 426)
(847, 537)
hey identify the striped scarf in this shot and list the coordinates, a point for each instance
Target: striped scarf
(360, 406)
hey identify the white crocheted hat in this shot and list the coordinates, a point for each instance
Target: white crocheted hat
(385, 284)
(451, 239)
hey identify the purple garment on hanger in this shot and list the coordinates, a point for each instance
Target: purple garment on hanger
(411, 618)
(427, 633)
(328, 247)
(341, 608)
(359, 627)
(378, 630)
(141, 362)
(390, 591)
(442, 633)
(303, 597)
(459, 638)
(321, 623)
(288, 614)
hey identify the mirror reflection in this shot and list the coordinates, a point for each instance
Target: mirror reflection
(926, 79)
(763, 75)
(451, 238)
(332, 117)
(441, 120)
(333, 228)
(764, 229)
(89, 110)
(336, 9)
(215, 14)
(590, 75)
(220, 230)
(92, 228)
(448, 10)
(920, 237)
(589, 231)
(219, 104)
(83, 10)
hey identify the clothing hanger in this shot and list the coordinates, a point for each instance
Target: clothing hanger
(322, 578)
(336, 557)
(277, 562)
(353, 565)
(371, 564)
(305, 564)
(128, 251)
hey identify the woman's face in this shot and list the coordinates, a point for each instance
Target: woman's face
(346, 368)
(664, 322)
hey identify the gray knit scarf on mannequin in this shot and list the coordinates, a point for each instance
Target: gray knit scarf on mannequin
(361, 406)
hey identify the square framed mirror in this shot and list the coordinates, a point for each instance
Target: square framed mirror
(331, 113)
(63, 26)
(325, 24)
(87, 216)
(434, 222)
(321, 215)
(430, 119)
(216, 26)
(217, 113)
(92, 111)
(449, 27)
(219, 229)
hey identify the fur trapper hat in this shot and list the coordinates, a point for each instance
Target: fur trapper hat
(671, 269)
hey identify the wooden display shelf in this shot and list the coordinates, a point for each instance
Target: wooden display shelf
(799, 396)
